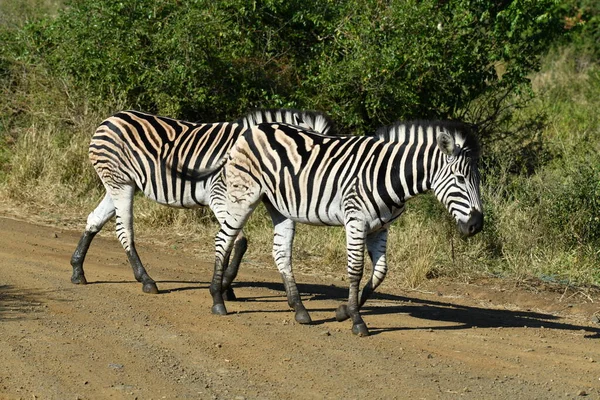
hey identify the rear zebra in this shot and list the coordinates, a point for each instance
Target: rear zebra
(361, 183)
(134, 150)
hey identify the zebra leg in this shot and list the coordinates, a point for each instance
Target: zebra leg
(224, 243)
(223, 246)
(123, 200)
(217, 201)
(239, 249)
(242, 197)
(376, 247)
(95, 221)
(283, 237)
(355, 242)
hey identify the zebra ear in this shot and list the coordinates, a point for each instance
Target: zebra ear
(445, 142)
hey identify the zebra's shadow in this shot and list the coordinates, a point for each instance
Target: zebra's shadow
(459, 316)
(190, 285)
(453, 316)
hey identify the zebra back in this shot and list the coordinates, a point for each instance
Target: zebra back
(313, 120)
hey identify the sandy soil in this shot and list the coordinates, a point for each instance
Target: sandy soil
(485, 340)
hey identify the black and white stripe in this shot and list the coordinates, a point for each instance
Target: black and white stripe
(133, 150)
(361, 183)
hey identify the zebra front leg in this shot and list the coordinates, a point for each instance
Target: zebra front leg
(376, 247)
(283, 238)
(95, 221)
(217, 203)
(123, 200)
(242, 197)
(239, 249)
(222, 277)
(355, 242)
(223, 246)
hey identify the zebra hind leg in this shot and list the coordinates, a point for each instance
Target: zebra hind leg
(283, 237)
(376, 247)
(95, 221)
(123, 199)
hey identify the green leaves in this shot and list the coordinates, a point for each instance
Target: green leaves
(366, 62)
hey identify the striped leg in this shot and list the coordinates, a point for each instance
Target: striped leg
(283, 238)
(217, 205)
(355, 242)
(242, 197)
(123, 200)
(376, 247)
(239, 249)
(95, 221)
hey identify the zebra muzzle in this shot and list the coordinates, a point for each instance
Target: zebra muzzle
(473, 225)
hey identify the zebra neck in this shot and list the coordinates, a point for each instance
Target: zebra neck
(414, 166)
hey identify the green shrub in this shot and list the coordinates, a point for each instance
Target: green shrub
(367, 63)
(570, 202)
(582, 18)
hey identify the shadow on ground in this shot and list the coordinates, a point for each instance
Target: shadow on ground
(18, 303)
(459, 316)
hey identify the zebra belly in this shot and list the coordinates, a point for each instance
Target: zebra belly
(315, 220)
(325, 216)
(331, 214)
(180, 197)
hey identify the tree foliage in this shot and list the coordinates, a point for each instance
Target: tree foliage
(366, 62)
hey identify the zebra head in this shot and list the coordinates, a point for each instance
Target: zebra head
(456, 183)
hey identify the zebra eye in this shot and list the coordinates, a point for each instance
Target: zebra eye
(460, 179)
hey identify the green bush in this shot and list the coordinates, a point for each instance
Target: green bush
(570, 202)
(582, 18)
(367, 63)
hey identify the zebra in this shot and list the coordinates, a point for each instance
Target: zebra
(359, 182)
(135, 150)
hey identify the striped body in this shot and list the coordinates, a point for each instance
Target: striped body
(321, 180)
(361, 183)
(133, 150)
(134, 147)
(156, 152)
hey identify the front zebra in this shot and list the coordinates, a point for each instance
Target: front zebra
(133, 150)
(361, 183)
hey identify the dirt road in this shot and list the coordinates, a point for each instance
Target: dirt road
(110, 340)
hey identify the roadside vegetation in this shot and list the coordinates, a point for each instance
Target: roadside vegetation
(526, 72)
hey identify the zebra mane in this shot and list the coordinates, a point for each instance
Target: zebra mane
(313, 120)
(400, 132)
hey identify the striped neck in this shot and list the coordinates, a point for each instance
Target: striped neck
(414, 158)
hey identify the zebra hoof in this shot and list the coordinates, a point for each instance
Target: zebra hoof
(150, 287)
(79, 279)
(219, 309)
(341, 314)
(360, 329)
(229, 295)
(302, 317)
